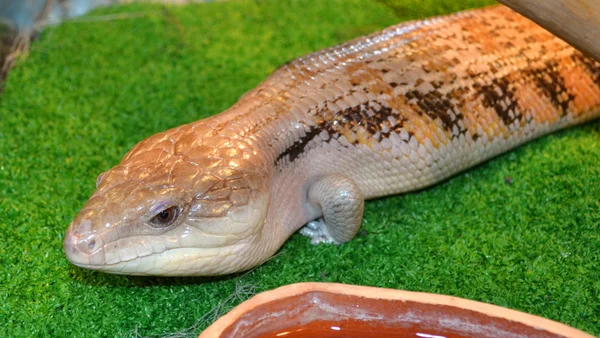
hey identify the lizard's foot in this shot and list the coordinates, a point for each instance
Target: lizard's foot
(317, 231)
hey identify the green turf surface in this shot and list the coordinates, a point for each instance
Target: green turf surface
(89, 90)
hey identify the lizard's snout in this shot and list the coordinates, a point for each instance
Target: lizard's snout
(84, 250)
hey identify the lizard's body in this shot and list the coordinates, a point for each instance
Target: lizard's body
(392, 112)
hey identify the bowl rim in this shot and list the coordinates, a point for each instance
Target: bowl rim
(298, 289)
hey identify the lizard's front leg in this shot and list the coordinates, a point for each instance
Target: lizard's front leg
(341, 204)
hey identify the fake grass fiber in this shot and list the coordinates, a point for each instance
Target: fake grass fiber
(90, 89)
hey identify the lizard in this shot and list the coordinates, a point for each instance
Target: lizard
(388, 113)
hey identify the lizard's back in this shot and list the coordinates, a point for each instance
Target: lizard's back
(411, 105)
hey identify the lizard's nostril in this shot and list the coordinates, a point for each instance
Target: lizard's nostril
(89, 244)
(84, 250)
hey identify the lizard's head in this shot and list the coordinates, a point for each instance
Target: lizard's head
(181, 202)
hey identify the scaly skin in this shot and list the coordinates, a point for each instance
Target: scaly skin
(392, 112)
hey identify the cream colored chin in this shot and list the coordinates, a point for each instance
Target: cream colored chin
(180, 262)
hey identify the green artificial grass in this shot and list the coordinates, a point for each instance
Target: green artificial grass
(89, 90)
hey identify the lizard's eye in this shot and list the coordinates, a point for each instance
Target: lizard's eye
(165, 218)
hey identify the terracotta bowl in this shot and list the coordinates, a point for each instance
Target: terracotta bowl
(340, 310)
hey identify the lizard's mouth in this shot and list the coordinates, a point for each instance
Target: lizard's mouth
(145, 258)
